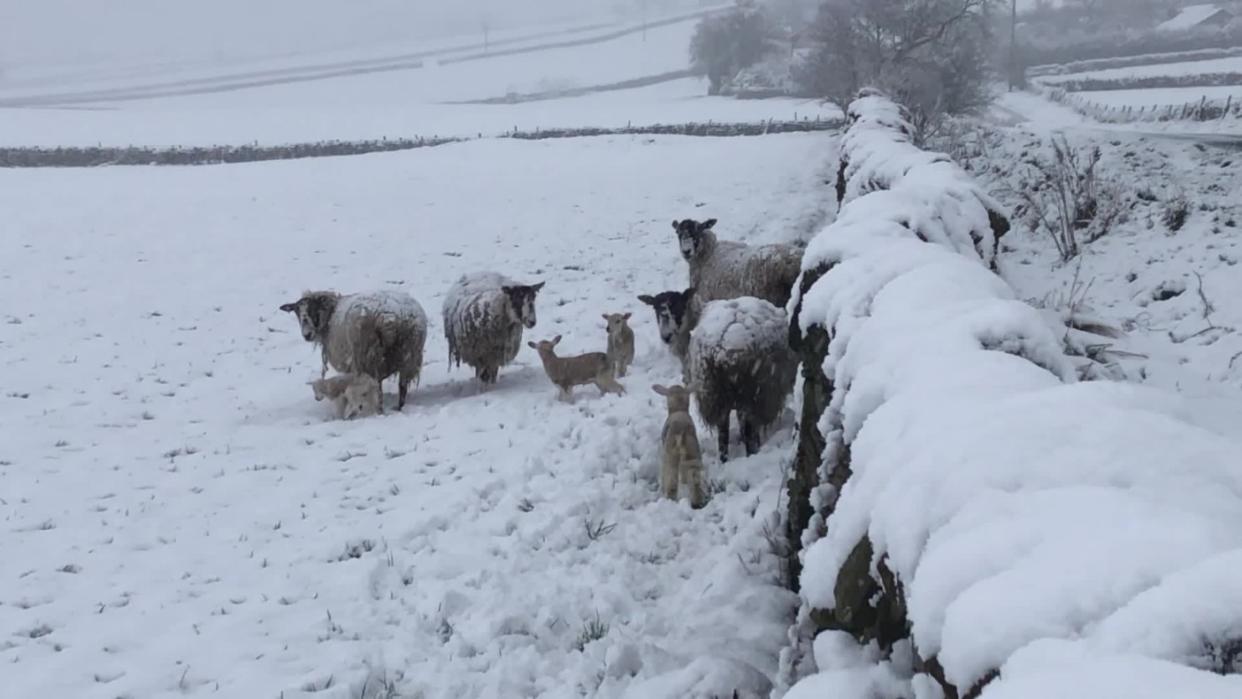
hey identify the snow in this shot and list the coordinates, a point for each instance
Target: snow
(977, 464)
(1181, 68)
(385, 301)
(167, 122)
(1071, 670)
(183, 518)
(286, 106)
(739, 325)
(921, 191)
(1190, 17)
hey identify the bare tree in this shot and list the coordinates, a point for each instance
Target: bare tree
(726, 43)
(932, 54)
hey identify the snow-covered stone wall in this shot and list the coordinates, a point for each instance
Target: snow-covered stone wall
(971, 520)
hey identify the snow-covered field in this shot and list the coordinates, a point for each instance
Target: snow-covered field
(1218, 65)
(413, 102)
(628, 56)
(181, 517)
(164, 123)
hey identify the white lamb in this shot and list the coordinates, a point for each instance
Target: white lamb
(740, 360)
(352, 395)
(726, 269)
(620, 342)
(681, 460)
(484, 315)
(376, 334)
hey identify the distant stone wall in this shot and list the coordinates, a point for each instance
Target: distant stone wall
(35, 156)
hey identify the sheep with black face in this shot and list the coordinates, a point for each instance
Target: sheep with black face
(376, 334)
(673, 318)
(727, 269)
(484, 316)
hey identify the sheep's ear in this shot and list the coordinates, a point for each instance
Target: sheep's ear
(649, 300)
(626, 315)
(507, 289)
(289, 307)
(604, 316)
(676, 223)
(659, 389)
(536, 287)
(531, 345)
(556, 340)
(707, 225)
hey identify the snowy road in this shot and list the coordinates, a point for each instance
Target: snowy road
(181, 518)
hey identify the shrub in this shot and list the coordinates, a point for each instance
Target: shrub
(1065, 197)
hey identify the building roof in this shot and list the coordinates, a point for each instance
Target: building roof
(1192, 16)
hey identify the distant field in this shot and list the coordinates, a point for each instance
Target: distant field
(404, 103)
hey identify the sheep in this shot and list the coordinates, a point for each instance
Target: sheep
(681, 460)
(674, 319)
(740, 360)
(620, 342)
(484, 314)
(726, 269)
(352, 395)
(567, 372)
(378, 334)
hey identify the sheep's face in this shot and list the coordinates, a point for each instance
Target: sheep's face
(522, 303)
(670, 310)
(677, 397)
(616, 322)
(362, 398)
(690, 236)
(313, 310)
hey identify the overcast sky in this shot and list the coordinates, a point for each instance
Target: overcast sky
(48, 32)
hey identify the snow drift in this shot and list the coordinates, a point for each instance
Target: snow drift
(974, 522)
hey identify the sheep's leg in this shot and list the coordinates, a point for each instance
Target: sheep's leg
(606, 384)
(692, 471)
(722, 439)
(403, 387)
(668, 476)
(381, 395)
(565, 394)
(750, 434)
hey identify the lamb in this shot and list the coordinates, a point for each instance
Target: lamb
(674, 319)
(726, 269)
(620, 342)
(352, 395)
(681, 460)
(484, 314)
(740, 360)
(376, 334)
(567, 372)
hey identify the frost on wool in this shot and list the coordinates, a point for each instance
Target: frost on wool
(727, 269)
(377, 334)
(484, 316)
(740, 360)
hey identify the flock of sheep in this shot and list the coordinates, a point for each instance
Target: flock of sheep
(728, 328)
